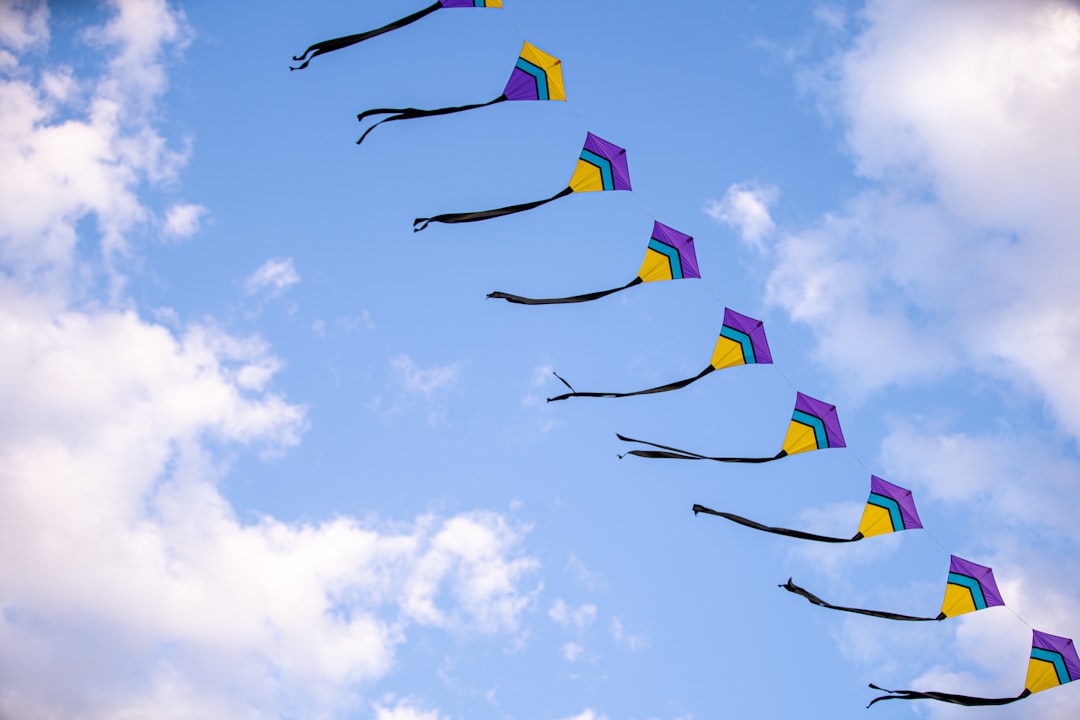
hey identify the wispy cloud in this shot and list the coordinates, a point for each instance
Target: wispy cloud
(425, 381)
(273, 277)
(578, 618)
(625, 639)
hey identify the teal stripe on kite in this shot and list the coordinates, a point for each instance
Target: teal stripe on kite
(892, 506)
(817, 424)
(538, 74)
(603, 164)
(972, 585)
(1056, 660)
(743, 339)
(671, 254)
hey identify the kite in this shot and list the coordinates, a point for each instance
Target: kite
(536, 76)
(1053, 662)
(669, 256)
(969, 587)
(888, 509)
(321, 48)
(741, 342)
(814, 426)
(602, 166)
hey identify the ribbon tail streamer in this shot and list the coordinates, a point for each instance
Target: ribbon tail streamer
(321, 48)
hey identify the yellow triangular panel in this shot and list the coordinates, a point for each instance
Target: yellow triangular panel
(552, 66)
(800, 438)
(1041, 675)
(727, 353)
(656, 266)
(586, 178)
(957, 601)
(876, 520)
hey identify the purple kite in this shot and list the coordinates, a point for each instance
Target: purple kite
(601, 166)
(741, 342)
(669, 256)
(888, 509)
(814, 426)
(969, 587)
(1053, 662)
(536, 76)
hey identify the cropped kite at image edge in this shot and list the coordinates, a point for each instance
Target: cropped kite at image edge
(669, 256)
(969, 587)
(326, 46)
(813, 426)
(889, 509)
(601, 166)
(536, 76)
(741, 342)
(1053, 662)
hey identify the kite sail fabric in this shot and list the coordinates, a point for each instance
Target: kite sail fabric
(321, 48)
(536, 76)
(669, 256)
(742, 342)
(814, 426)
(888, 509)
(1053, 662)
(601, 166)
(969, 587)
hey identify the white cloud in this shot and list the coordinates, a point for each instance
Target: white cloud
(274, 276)
(424, 381)
(578, 618)
(571, 651)
(746, 208)
(136, 591)
(587, 714)
(406, 709)
(183, 220)
(625, 639)
(24, 23)
(961, 113)
(60, 163)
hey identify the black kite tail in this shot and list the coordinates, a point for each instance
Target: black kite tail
(660, 388)
(793, 588)
(421, 223)
(967, 700)
(409, 113)
(555, 301)
(321, 48)
(675, 453)
(774, 530)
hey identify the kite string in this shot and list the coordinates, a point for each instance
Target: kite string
(928, 532)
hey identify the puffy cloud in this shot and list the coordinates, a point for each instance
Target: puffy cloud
(274, 277)
(183, 220)
(60, 163)
(956, 259)
(746, 208)
(961, 113)
(135, 590)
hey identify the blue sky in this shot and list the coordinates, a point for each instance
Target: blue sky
(267, 453)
